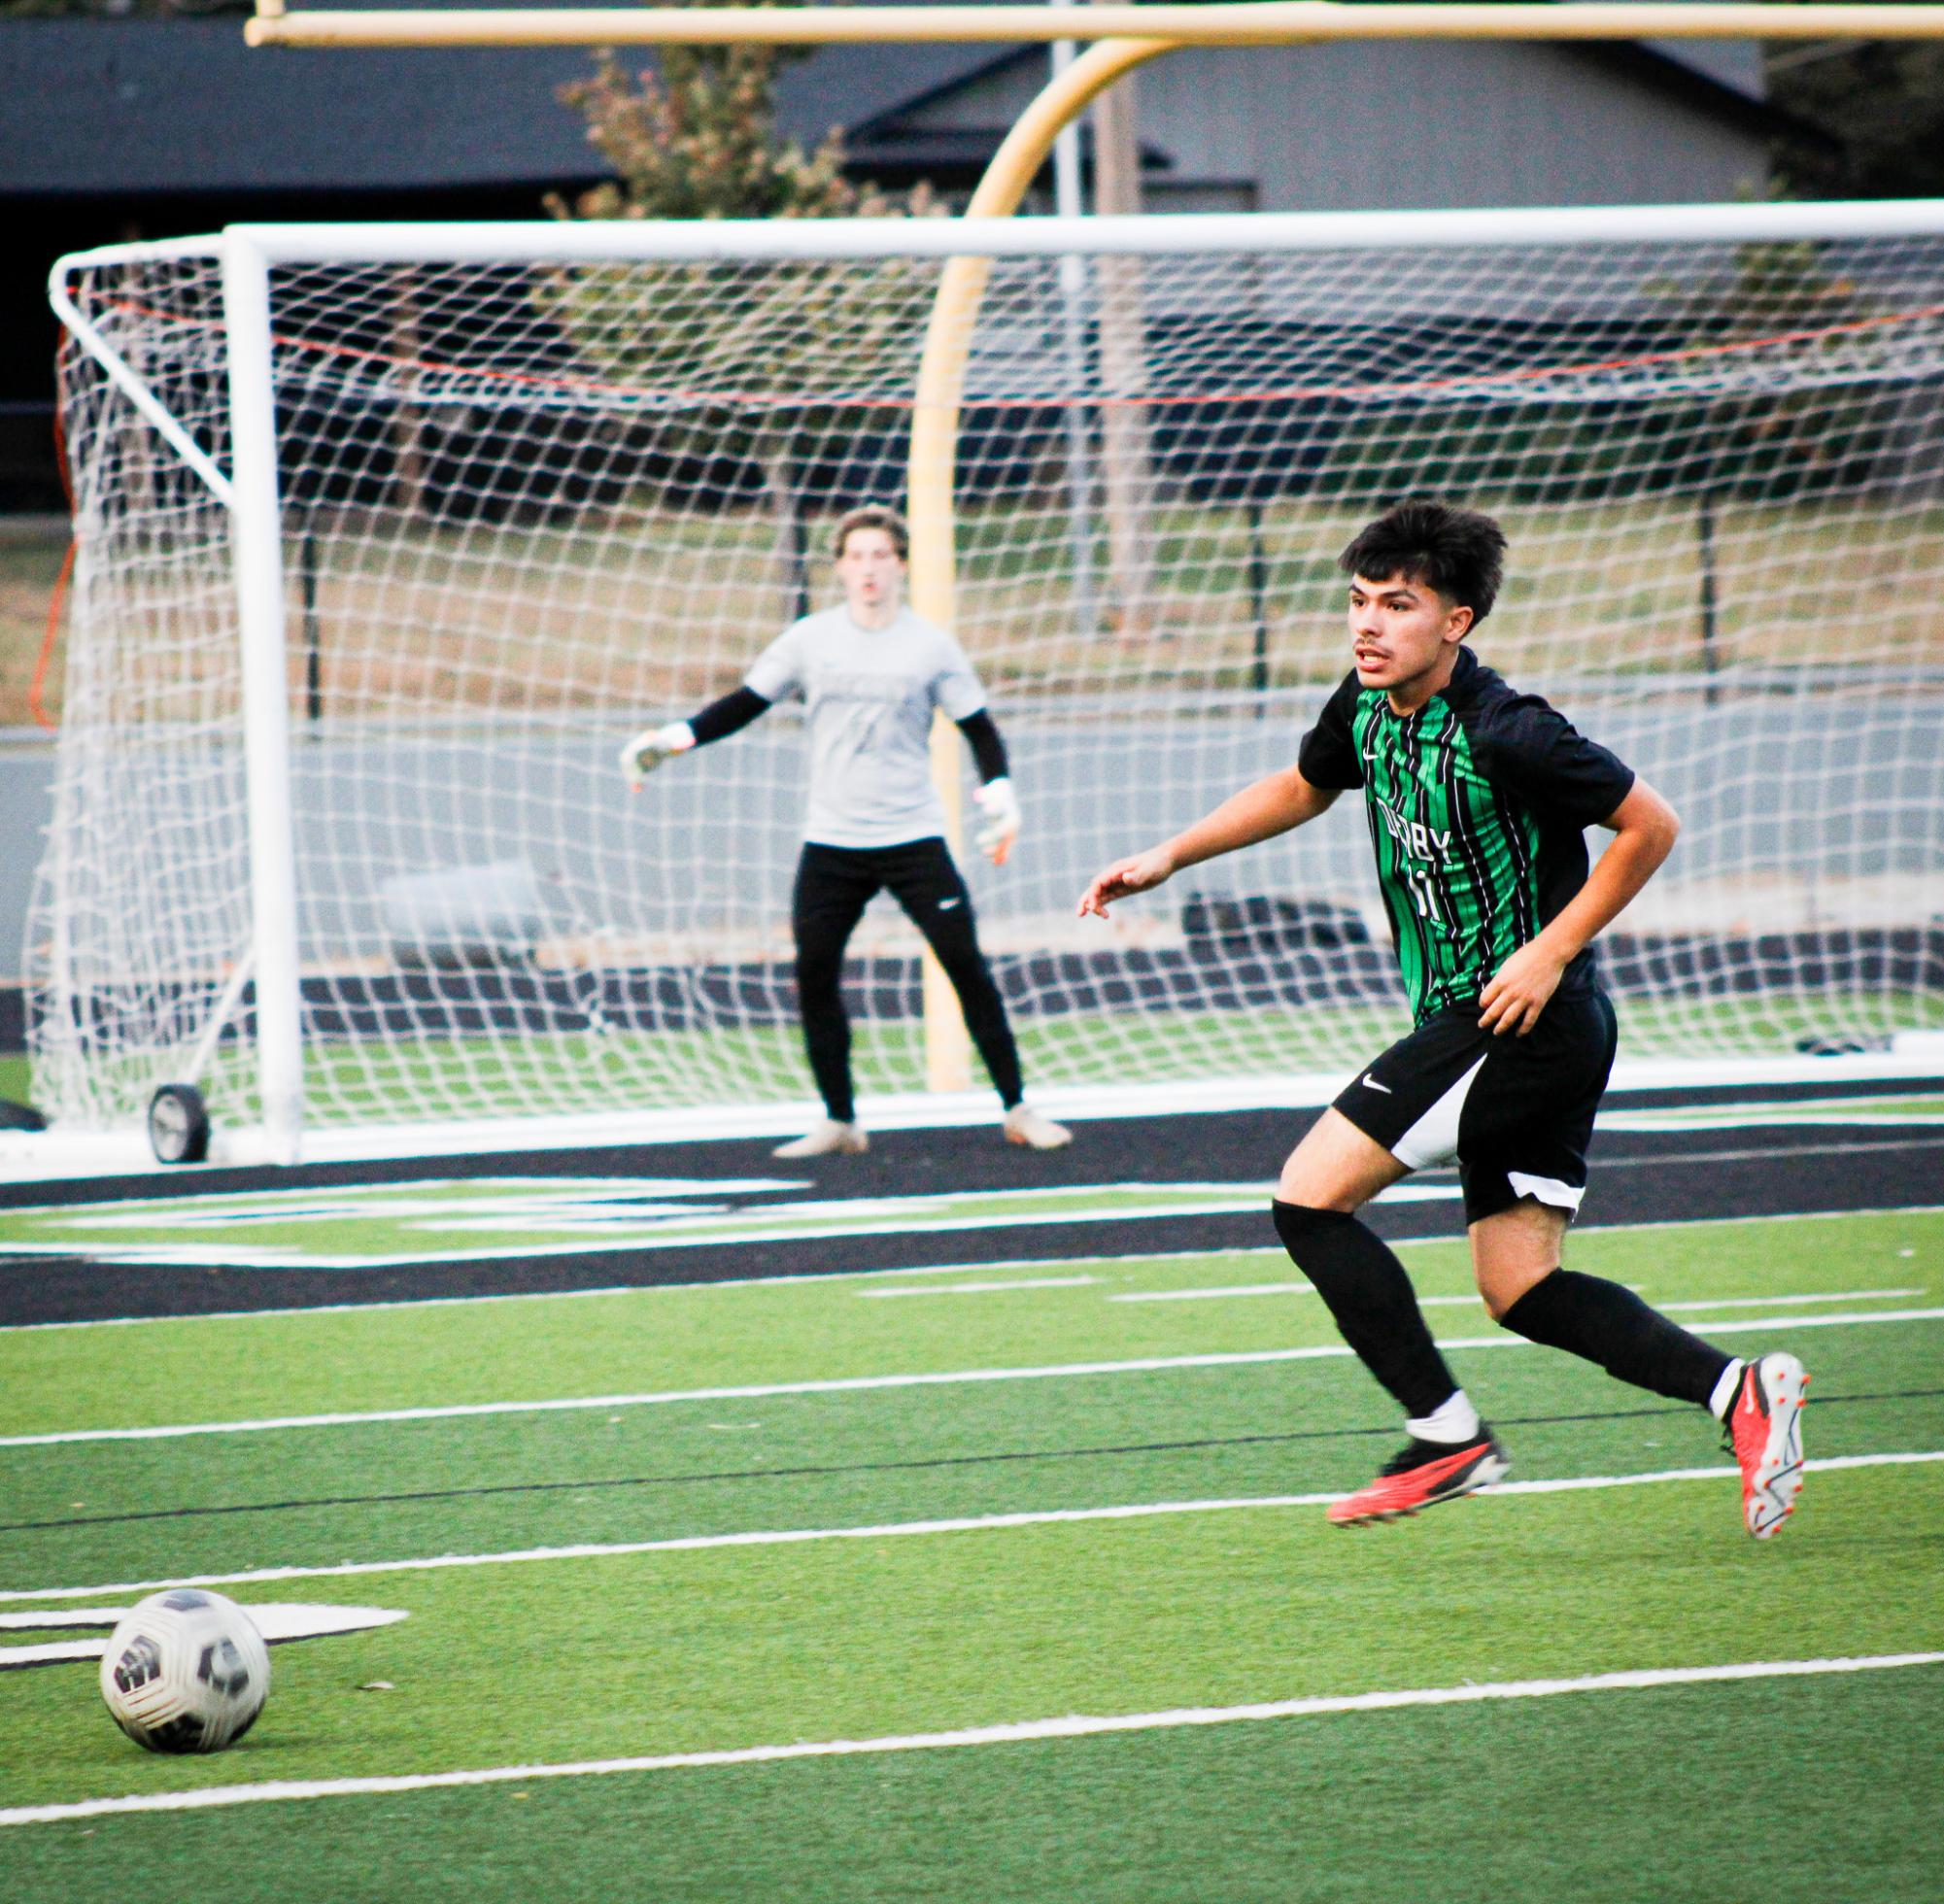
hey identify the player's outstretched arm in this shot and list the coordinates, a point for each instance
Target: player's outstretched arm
(1645, 829)
(645, 751)
(1273, 805)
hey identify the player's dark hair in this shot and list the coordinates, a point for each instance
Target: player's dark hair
(873, 515)
(1457, 551)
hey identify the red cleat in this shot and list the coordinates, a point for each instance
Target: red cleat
(1765, 1431)
(1425, 1473)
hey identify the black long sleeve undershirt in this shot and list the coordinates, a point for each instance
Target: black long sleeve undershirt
(735, 710)
(988, 751)
(730, 715)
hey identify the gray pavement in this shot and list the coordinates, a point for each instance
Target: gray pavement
(1791, 802)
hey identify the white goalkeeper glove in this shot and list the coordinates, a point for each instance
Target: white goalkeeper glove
(999, 805)
(642, 755)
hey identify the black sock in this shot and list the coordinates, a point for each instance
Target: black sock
(1600, 1320)
(1365, 1289)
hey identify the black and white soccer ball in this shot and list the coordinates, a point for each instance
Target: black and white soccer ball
(186, 1671)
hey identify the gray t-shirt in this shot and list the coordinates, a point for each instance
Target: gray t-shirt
(869, 695)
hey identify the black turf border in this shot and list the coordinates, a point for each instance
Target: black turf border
(1638, 1178)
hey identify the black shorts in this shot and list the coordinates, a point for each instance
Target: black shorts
(1514, 1113)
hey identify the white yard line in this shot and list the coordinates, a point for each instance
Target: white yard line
(1020, 1732)
(1788, 1301)
(902, 1530)
(1273, 1289)
(977, 1288)
(846, 1384)
(754, 1391)
(1453, 1301)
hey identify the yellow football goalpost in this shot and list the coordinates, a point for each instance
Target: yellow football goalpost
(1125, 38)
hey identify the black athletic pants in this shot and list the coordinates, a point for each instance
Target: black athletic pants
(833, 886)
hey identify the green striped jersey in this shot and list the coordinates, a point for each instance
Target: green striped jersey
(1477, 805)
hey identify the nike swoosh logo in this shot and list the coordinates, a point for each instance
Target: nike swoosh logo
(1371, 1084)
(946, 905)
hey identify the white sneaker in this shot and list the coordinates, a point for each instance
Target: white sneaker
(827, 1137)
(1024, 1125)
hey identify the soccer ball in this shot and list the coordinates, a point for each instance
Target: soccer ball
(186, 1671)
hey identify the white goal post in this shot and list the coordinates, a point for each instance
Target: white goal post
(389, 534)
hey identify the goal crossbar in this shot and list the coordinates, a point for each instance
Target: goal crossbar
(541, 241)
(1255, 23)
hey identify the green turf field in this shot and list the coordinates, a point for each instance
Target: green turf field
(877, 1509)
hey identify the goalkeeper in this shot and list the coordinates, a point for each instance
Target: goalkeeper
(869, 674)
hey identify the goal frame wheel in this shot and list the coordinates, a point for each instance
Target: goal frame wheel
(178, 1124)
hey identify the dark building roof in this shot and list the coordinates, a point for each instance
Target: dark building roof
(101, 107)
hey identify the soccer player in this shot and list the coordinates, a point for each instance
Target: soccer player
(1477, 799)
(869, 674)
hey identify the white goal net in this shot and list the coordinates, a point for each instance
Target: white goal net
(534, 488)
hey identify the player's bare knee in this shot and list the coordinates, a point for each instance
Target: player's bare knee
(1335, 1167)
(1303, 1187)
(1502, 1285)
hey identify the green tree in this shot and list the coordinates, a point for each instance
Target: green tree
(697, 140)
(737, 355)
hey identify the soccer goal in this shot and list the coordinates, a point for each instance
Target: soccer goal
(389, 535)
